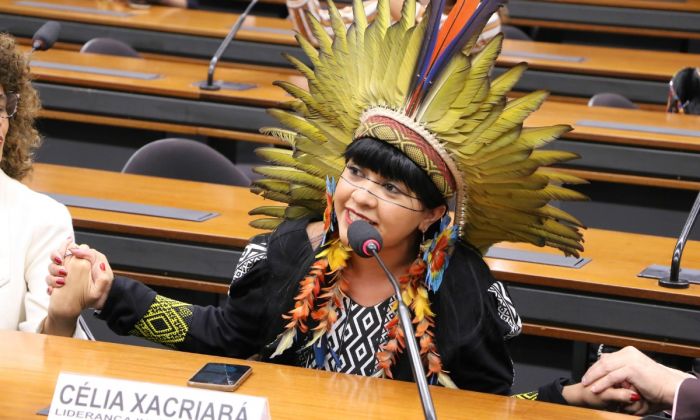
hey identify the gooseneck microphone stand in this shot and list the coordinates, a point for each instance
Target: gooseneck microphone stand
(414, 353)
(209, 83)
(673, 280)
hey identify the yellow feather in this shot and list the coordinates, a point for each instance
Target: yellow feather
(298, 124)
(274, 211)
(286, 136)
(284, 157)
(297, 212)
(272, 195)
(266, 224)
(290, 175)
(445, 380)
(445, 90)
(421, 304)
(272, 185)
(300, 192)
(561, 177)
(285, 341)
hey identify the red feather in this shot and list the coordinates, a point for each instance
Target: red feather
(456, 20)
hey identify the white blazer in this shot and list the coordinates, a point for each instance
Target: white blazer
(31, 226)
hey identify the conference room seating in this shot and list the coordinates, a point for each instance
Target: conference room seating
(109, 46)
(513, 32)
(614, 100)
(570, 72)
(185, 159)
(648, 20)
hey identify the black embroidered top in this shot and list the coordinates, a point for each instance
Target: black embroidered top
(474, 314)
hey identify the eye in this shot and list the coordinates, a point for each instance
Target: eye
(354, 170)
(392, 188)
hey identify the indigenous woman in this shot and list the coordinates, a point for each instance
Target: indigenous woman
(30, 223)
(371, 141)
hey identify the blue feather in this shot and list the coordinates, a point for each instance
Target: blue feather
(434, 18)
(475, 25)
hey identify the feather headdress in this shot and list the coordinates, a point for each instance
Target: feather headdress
(417, 87)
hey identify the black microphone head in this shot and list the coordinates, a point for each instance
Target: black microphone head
(363, 238)
(46, 36)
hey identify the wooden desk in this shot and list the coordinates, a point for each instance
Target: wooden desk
(683, 6)
(172, 102)
(641, 75)
(31, 363)
(648, 18)
(603, 301)
(194, 255)
(167, 19)
(578, 71)
(165, 30)
(627, 156)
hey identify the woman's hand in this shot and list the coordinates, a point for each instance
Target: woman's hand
(656, 383)
(79, 278)
(622, 398)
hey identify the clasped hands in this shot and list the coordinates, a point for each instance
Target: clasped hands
(79, 278)
(629, 378)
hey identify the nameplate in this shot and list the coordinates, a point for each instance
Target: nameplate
(73, 9)
(638, 127)
(656, 271)
(95, 397)
(544, 56)
(536, 257)
(133, 208)
(95, 70)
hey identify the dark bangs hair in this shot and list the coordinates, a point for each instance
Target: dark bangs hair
(390, 163)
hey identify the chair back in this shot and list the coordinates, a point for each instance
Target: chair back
(512, 32)
(185, 159)
(613, 100)
(109, 46)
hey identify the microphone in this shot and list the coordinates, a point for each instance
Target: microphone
(209, 84)
(672, 280)
(366, 241)
(46, 36)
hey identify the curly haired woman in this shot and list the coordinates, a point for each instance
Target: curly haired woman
(31, 223)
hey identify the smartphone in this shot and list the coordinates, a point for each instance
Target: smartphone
(220, 376)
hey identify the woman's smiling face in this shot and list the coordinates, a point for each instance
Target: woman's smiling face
(388, 205)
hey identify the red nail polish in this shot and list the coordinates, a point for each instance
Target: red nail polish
(61, 282)
(57, 260)
(62, 272)
(103, 267)
(635, 397)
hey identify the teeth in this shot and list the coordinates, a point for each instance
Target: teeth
(354, 217)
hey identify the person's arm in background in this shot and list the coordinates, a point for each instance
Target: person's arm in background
(657, 384)
(686, 405)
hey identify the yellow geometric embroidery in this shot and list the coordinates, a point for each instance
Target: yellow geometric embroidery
(532, 395)
(166, 322)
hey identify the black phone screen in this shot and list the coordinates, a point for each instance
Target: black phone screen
(220, 374)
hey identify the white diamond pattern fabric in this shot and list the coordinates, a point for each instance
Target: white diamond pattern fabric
(355, 338)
